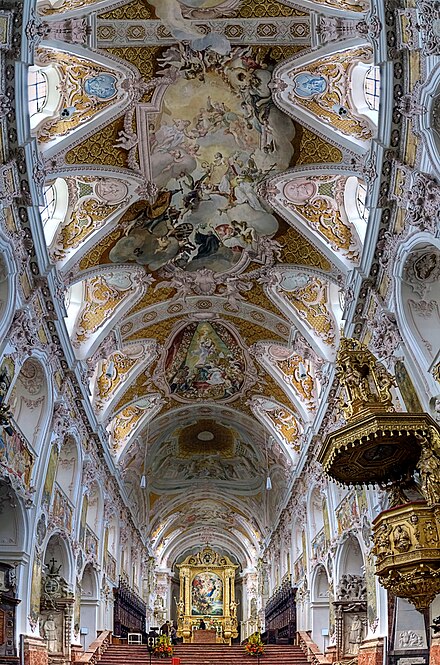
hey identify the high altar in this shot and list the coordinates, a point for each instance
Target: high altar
(207, 591)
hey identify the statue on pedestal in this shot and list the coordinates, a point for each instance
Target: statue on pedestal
(50, 634)
(355, 635)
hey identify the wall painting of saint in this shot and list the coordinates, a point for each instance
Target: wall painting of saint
(207, 595)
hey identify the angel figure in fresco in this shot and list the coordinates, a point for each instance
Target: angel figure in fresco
(205, 347)
(155, 213)
(195, 194)
(170, 12)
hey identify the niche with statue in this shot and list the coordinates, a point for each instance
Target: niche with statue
(350, 604)
(56, 606)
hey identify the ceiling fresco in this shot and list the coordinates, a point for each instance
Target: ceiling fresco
(202, 232)
(204, 361)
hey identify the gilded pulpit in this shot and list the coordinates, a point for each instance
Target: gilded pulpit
(207, 595)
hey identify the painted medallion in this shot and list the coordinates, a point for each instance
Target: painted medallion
(205, 361)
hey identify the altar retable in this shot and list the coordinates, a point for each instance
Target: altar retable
(207, 591)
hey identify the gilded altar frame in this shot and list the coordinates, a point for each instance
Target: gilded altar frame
(209, 562)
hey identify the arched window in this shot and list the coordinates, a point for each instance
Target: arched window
(43, 94)
(372, 88)
(355, 203)
(29, 401)
(55, 206)
(361, 195)
(73, 301)
(37, 91)
(50, 202)
(365, 91)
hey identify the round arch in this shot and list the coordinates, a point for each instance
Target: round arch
(31, 399)
(89, 605)
(320, 607)
(416, 298)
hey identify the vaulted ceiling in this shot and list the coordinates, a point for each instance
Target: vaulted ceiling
(203, 226)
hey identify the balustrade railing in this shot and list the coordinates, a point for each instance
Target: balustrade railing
(247, 628)
(95, 650)
(311, 650)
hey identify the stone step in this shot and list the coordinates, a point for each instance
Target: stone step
(204, 654)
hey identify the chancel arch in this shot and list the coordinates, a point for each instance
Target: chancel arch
(238, 548)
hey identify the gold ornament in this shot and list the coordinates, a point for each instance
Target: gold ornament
(377, 444)
(429, 465)
(407, 549)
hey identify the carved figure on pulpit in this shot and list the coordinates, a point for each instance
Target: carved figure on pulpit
(402, 540)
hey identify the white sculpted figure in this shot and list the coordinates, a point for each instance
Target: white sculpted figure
(355, 635)
(50, 634)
